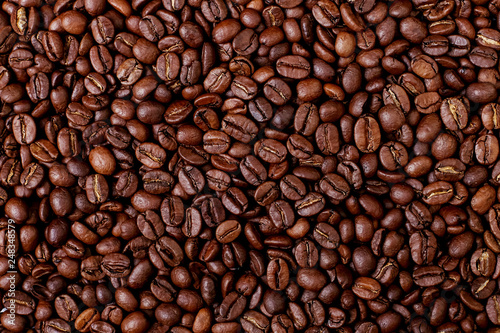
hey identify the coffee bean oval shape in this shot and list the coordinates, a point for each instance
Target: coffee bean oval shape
(270, 151)
(326, 236)
(97, 189)
(239, 127)
(492, 307)
(437, 193)
(151, 155)
(367, 134)
(311, 279)
(486, 149)
(310, 205)
(455, 112)
(293, 66)
(428, 276)
(277, 274)
(366, 288)
(24, 129)
(228, 231)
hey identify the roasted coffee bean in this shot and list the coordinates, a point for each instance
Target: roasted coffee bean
(239, 127)
(165, 252)
(367, 134)
(228, 231)
(455, 113)
(326, 236)
(66, 307)
(366, 288)
(266, 193)
(428, 276)
(277, 274)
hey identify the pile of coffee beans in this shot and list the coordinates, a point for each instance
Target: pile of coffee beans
(249, 166)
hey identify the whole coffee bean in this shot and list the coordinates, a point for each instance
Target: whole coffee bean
(97, 188)
(165, 251)
(292, 187)
(295, 67)
(151, 155)
(245, 42)
(335, 187)
(244, 87)
(277, 91)
(311, 279)
(191, 180)
(150, 225)
(310, 205)
(326, 236)
(455, 112)
(481, 92)
(428, 276)
(486, 149)
(326, 13)
(424, 247)
(483, 57)
(25, 304)
(101, 59)
(424, 66)
(53, 45)
(239, 127)
(102, 160)
(277, 274)
(24, 129)
(228, 231)
(66, 308)
(367, 134)
(306, 254)
(266, 193)
(270, 151)
(366, 288)
(103, 29)
(437, 193)
(435, 45)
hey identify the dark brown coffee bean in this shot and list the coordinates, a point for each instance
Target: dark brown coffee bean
(277, 91)
(97, 189)
(150, 155)
(455, 112)
(266, 193)
(428, 276)
(367, 134)
(239, 127)
(366, 288)
(66, 308)
(277, 274)
(295, 67)
(326, 13)
(326, 236)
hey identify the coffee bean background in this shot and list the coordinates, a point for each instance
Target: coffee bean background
(250, 166)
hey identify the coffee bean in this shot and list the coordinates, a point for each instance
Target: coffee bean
(228, 231)
(326, 13)
(367, 134)
(326, 236)
(277, 274)
(428, 276)
(366, 288)
(66, 308)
